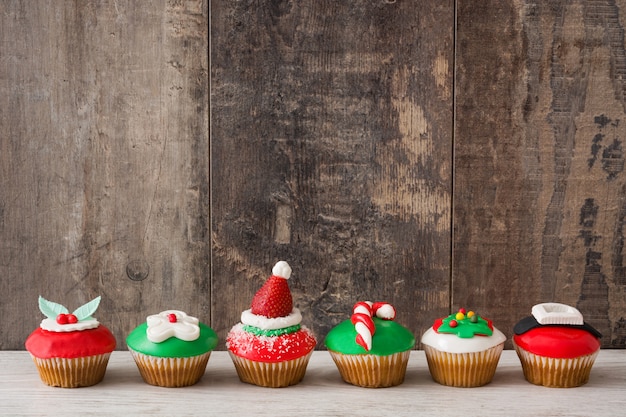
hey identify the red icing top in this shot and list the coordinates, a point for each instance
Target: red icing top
(45, 344)
(558, 342)
(270, 348)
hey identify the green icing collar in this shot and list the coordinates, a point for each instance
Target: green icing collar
(172, 347)
(271, 333)
(389, 338)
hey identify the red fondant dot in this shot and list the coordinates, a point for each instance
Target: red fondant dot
(462, 310)
(172, 317)
(62, 318)
(453, 323)
(71, 319)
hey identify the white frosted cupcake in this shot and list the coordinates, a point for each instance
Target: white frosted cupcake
(463, 349)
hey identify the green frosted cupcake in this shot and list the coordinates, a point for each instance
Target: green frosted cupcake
(171, 349)
(370, 349)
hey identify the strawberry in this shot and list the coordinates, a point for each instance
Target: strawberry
(273, 299)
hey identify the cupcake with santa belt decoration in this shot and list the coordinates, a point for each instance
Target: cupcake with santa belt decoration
(269, 347)
(70, 349)
(555, 346)
(370, 349)
(171, 349)
(463, 349)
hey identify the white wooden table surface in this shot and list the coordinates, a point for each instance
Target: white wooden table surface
(321, 393)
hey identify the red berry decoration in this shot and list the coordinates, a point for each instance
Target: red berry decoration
(453, 323)
(172, 318)
(273, 299)
(71, 319)
(462, 310)
(62, 319)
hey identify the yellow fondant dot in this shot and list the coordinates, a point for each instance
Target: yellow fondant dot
(460, 316)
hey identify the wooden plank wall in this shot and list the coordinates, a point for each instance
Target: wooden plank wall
(434, 154)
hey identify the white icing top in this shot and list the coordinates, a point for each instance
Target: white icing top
(282, 269)
(265, 323)
(51, 325)
(160, 328)
(451, 343)
(556, 313)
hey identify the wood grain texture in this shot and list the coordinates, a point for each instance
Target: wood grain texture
(539, 182)
(104, 159)
(330, 149)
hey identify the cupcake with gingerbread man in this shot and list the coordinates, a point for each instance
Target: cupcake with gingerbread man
(270, 347)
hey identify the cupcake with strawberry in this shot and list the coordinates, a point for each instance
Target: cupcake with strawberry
(269, 347)
(70, 349)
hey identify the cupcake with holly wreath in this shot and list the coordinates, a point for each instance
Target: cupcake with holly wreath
(70, 350)
(171, 349)
(269, 347)
(463, 349)
(370, 349)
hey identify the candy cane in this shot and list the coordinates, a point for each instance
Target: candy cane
(362, 313)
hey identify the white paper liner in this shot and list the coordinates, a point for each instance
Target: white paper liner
(555, 372)
(271, 375)
(471, 369)
(72, 373)
(171, 372)
(372, 371)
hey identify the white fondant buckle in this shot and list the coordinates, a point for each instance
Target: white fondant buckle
(556, 313)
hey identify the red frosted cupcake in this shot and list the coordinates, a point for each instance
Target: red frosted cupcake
(269, 347)
(555, 346)
(70, 349)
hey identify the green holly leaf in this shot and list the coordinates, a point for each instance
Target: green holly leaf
(86, 310)
(51, 309)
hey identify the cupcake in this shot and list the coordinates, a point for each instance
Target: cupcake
(370, 349)
(269, 347)
(171, 349)
(463, 349)
(555, 346)
(70, 349)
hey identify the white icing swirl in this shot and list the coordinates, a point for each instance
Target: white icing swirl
(265, 323)
(451, 343)
(160, 328)
(51, 325)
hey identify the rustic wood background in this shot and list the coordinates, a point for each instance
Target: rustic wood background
(434, 154)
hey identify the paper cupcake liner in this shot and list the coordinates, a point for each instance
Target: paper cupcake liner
(171, 372)
(271, 375)
(471, 369)
(72, 373)
(555, 372)
(372, 371)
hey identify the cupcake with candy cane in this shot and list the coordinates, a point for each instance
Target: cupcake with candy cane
(269, 347)
(463, 349)
(70, 349)
(370, 349)
(171, 349)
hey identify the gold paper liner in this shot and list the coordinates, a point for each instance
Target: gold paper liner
(372, 371)
(72, 373)
(271, 375)
(555, 372)
(170, 372)
(471, 369)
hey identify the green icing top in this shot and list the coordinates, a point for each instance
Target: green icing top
(465, 327)
(172, 347)
(389, 338)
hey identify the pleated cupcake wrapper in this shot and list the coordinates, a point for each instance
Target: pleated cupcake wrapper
(372, 371)
(171, 372)
(271, 375)
(72, 373)
(471, 369)
(555, 372)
